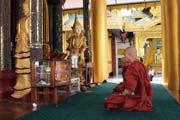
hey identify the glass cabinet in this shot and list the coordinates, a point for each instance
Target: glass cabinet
(41, 73)
(48, 76)
(62, 71)
(50, 72)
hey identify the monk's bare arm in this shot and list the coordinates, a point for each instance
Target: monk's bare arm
(126, 92)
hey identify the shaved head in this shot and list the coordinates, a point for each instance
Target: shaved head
(130, 53)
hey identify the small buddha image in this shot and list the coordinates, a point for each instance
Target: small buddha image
(158, 57)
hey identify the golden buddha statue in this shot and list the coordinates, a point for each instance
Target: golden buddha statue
(77, 43)
(149, 54)
(22, 54)
(76, 47)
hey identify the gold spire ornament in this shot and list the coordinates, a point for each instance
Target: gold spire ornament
(76, 23)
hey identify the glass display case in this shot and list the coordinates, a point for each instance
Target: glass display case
(42, 73)
(50, 72)
(48, 76)
(62, 72)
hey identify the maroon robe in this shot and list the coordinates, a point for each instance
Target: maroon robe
(136, 80)
(120, 87)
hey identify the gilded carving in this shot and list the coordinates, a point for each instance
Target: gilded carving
(142, 37)
(149, 53)
(22, 54)
(76, 47)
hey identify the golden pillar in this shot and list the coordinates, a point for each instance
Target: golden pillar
(136, 44)
(99, 37)
(178, 14)
(164, 42)
(109, 55)
(170, 29)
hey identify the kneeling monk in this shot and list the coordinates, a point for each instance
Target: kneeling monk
(137, 92)
(120, 87)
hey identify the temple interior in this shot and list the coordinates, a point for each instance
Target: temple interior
(46, 42)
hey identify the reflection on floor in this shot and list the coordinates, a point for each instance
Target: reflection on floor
(157, 79)
(10, 110)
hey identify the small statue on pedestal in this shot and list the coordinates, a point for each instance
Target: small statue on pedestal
(76, 47)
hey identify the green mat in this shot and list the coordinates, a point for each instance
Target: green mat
(90, 106)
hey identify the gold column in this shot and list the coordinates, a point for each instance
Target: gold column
(164, 41)
(136, 43)
(109, 55)
(172, 43)
(178, 14)
(99, 37)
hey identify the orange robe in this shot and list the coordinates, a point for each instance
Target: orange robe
(136, 80)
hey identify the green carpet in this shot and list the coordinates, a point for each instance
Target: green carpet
(90, 106)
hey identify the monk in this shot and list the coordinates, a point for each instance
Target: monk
(137, 92)
(124, 64)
